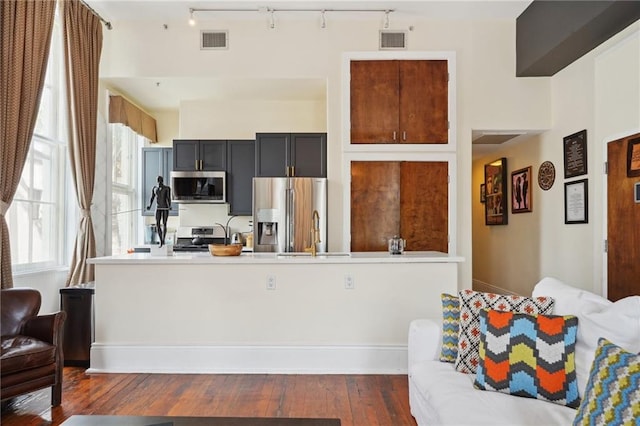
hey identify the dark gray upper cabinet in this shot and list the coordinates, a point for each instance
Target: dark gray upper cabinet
(191, 154)
(240, 172)
(155, 162)
(291, 154)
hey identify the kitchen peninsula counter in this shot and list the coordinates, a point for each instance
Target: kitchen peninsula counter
(263, 313)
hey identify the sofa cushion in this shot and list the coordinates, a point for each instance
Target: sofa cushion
(450, 327)
(23, 353)
(471, 302)
(530, 356)
(441, 395)
(612, 394)
(617, 322)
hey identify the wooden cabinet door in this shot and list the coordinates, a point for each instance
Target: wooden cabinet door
(375, 204)
(308, 154)
(424, 102)
(185, 154)
(424, 205)
(240, 172)
(213, 155)
(271, 154)
(374, 101)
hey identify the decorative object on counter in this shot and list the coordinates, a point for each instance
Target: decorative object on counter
(162, 194)
(520, 191)
(495, 179)
(225, 249)
(546, 175)
(575, 154)
(397, 245)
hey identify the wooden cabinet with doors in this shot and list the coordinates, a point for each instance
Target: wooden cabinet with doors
(240, 172)
(155, 162)
(291, 154)
(405, 198)
(191, 154)
(399, 101)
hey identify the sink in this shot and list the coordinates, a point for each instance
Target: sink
(305, 254)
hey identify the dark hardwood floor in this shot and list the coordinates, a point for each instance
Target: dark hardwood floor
(357, 400)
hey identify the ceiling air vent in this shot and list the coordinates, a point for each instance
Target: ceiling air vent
(393, 40)
(214, 40)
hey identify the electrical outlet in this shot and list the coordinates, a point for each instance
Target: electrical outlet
(271, 282)
(348, 282)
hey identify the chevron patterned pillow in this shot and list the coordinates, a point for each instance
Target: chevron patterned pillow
(471, 303)
(612, 395)
(532, 356)
(450, 327)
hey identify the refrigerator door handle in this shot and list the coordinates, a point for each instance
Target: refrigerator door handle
(290, 223)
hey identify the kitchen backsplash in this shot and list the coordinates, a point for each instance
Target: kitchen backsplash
(209, 214)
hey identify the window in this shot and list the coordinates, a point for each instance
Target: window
(125, 144)
(36, 216)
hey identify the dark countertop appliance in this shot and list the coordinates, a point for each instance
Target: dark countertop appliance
(200, 239)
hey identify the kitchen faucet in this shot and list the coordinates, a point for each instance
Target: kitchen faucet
(225, 229)
(315, 232)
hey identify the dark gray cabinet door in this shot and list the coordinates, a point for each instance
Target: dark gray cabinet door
(272, 150)
(192, 154)
(186, 154)
(155, 162)
(308, 154)
(240, 173)
(213, 155)
(291, 154)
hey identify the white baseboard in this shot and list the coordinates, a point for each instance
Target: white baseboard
(248, 359)
(490, 288)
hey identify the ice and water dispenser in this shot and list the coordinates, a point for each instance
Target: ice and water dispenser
(267, 228)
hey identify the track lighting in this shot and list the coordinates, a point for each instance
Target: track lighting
(323, 22)
(272, 19)
(192, 21)
(386, 19)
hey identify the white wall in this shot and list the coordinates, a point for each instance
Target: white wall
(489, 94)
(600, 93)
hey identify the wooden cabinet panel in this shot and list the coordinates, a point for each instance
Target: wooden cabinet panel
(374, 101)
(375, 204)
(424, 205)
(424, 102)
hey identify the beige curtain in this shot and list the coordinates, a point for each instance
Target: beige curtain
(25, 39)
(82, 47)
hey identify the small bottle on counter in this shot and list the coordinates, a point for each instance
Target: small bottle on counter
(249, 240)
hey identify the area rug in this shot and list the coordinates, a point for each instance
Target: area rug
(195, 421)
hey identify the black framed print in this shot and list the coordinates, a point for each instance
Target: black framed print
(575, 154)
(576, 202)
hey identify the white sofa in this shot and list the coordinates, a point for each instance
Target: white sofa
(439, 395)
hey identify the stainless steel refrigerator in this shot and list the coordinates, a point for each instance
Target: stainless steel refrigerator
(283, 214)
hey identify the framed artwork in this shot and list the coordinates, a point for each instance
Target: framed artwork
(495, 206)
(521, 190)
(483, 193)
(633, 157)
(576, 202)
(546, 175)
(575, 154)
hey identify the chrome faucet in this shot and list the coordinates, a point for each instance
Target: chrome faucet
(315, 232)
(226, 229)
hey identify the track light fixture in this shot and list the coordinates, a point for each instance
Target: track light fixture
(272, 11)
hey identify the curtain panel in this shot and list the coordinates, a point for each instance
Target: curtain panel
(123, 111)
(26, 28)
(82, 48)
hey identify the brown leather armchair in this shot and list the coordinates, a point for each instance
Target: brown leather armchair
(31, 356)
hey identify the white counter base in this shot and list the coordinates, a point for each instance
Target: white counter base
(201, 314)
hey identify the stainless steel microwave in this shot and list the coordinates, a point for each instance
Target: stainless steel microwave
(198, 187)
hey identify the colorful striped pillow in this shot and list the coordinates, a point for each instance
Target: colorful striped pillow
(532, 356)
(450, 327)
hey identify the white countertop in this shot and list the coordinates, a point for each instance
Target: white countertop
(277, 258)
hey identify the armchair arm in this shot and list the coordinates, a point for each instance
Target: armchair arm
(47, 328)
(425, 340)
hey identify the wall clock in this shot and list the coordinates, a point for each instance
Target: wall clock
(546, 175)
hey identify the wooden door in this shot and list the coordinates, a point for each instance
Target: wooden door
(374, 102)
(424, 205)
(424, 97)
(623, 225)
(375, 204)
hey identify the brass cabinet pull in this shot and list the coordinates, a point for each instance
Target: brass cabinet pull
(293, 171)
(404, 136)
(394, 135)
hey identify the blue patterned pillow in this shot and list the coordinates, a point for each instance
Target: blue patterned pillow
(612, 395)
(450, 327)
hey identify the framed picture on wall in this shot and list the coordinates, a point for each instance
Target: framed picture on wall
(521, 190)
(633, 157)
(575, 154)
(483, 192)
(576, 202)
(495, 206)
